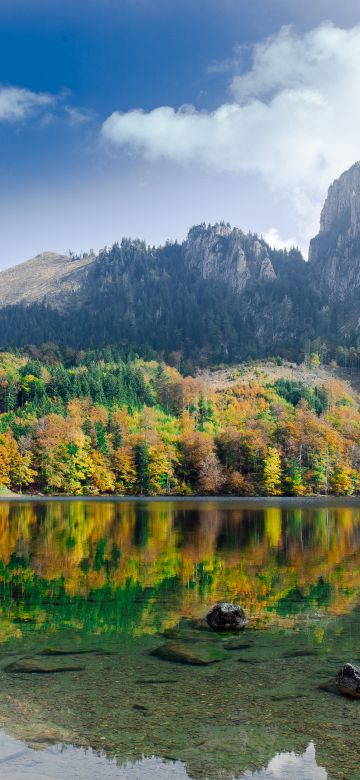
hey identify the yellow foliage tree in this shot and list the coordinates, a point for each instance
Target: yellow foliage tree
(272, 474)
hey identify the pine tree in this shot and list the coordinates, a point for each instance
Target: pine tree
(142, 467)
(10, 398)
(295, 480)
(100, 439)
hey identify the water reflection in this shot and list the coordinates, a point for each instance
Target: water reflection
(90, 590)
(17, 761)
(180, 556)
(59, 763)
(289, 766)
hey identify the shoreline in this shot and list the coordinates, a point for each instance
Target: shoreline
(260, 501)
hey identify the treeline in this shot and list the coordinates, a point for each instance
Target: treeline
(93, 424)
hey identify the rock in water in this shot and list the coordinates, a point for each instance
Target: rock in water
(226, 617)
(34, 666)
(348, 681)
(182, 653)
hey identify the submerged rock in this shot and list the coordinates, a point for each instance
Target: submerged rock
(34, 666)
(329, 687)
(196, 654)
(348, 681)
(51, 652)
(236, 644)
(300, 654)
(226, 617)
(185, 633)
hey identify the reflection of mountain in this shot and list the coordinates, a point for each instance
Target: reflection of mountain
(150, 563)
(88, 764)
(290, 765)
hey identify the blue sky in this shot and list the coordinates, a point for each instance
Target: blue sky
(143, 117)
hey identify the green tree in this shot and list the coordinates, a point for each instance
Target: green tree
(10, 397)
(142, 467)
(295, 479)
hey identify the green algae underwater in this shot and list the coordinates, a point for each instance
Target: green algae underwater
(95, 592)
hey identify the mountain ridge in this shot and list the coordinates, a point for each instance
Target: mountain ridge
(220, 295)
(203, 242)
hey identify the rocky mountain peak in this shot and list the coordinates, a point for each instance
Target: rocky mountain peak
(229, 254)
(335, 251)
(341, 210)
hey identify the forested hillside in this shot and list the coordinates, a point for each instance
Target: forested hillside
(216, 297)
(222, 295)
(91, 423)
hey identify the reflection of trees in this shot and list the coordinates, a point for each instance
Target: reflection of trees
(173, 559)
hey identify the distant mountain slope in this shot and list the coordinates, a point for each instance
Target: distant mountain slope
(221, 295)
(47, 277)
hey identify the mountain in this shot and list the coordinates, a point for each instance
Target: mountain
(213, 252)
(221, 295)
(222, 252)
(48, 277)
(334, 253)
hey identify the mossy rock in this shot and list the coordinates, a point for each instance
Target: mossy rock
(187, 634)
(200, 654)
(35, 666)
(236, 644)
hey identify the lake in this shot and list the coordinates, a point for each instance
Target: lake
(95, 592)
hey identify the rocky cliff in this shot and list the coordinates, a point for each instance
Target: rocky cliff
(220, 251)
(335, 252)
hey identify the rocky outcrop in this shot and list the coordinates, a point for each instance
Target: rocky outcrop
(335, 252)
(220, 251)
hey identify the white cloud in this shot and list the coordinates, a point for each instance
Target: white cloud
(17, 103)
(293, 117)
(77, 116)
(273, 238)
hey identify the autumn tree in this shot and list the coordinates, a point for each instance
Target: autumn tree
(272, 473)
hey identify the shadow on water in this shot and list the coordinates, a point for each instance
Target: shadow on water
(91, 590)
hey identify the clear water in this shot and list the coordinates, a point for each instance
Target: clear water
(90, 589)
